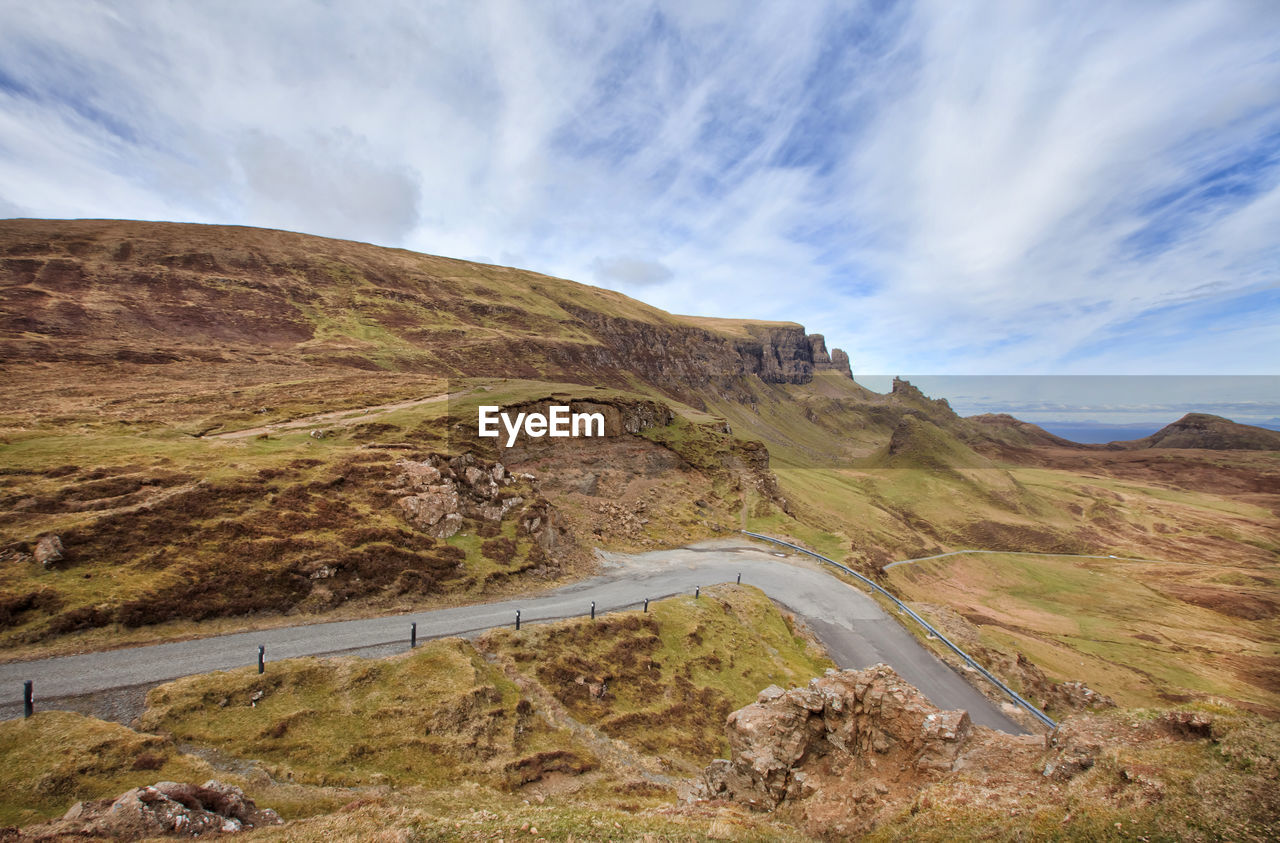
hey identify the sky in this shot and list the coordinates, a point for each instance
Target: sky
(977, 188)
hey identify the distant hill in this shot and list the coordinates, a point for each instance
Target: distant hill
(1008, 430)
(1202, 430)
(918, 443)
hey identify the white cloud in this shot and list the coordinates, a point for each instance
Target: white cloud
(950, 187)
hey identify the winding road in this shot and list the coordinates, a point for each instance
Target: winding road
(855, 630)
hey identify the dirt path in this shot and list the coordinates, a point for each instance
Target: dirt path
(1027, 553)
(337, 418)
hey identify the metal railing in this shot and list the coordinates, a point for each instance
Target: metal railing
(928, 627)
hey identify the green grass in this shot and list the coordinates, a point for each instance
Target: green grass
(669, 677)
(432, 717)
(56, 758)
(1095, 620)
(1154, 789)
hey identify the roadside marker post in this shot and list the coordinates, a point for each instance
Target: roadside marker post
(593, 610)
(517, 620)
(646, 605)
(697, 590)
(28, 701)
(262, 650)
(413, 635)
(739, 578)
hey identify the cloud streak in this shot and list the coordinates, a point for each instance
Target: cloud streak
(1003, 188)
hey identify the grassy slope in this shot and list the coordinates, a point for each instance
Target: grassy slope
(672, 675)
(431, 717)
(1107, 621)
(442, 738)
(144, 509)
(57, 758)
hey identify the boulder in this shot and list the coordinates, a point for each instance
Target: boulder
(809, 746)
(430, 506)
(49, 551)
(162, 809)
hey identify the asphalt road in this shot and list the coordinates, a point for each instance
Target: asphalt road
(855, 630)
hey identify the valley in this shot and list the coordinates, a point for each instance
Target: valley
(217, 431)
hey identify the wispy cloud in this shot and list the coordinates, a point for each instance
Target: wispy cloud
(937, 186)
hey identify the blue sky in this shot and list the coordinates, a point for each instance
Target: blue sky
(952, 188)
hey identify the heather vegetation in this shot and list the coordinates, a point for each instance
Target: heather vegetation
(211, 429)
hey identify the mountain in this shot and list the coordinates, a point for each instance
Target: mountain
(1202, 430)
(93, 291)
(209, 429)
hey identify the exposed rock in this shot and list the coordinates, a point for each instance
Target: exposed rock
(438, 495)
(777, 353)
(429, 508)
(1188, 725)
(160, 809)
(1076, 750)
(49, 551)
(818, 348)
(837, 360)
(843, 726)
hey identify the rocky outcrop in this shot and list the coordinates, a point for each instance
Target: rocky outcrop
(836, 361)
(847, 720)
(164, 808)
(441, 492)
(852, 747)
(679, 356)
(776, 353)
(840, 362)
(49, 552)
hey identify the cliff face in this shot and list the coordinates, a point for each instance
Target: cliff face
(837, 360)
(776, 354)
(96, 291)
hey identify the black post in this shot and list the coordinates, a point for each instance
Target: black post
(739, 578)
(413, 635)
(696, 591)
(262, 649)
(593, 610)
(517, 620)
(28, 707)
(646, 605)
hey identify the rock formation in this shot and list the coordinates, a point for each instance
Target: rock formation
(443, 491)
(837, 360)
(160, 809)
(839, 752)
(49, 551)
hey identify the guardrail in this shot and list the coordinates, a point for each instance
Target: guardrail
(928, 627)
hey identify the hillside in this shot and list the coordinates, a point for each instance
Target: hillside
(208, 429)
(92, 291)
(1214, 433)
